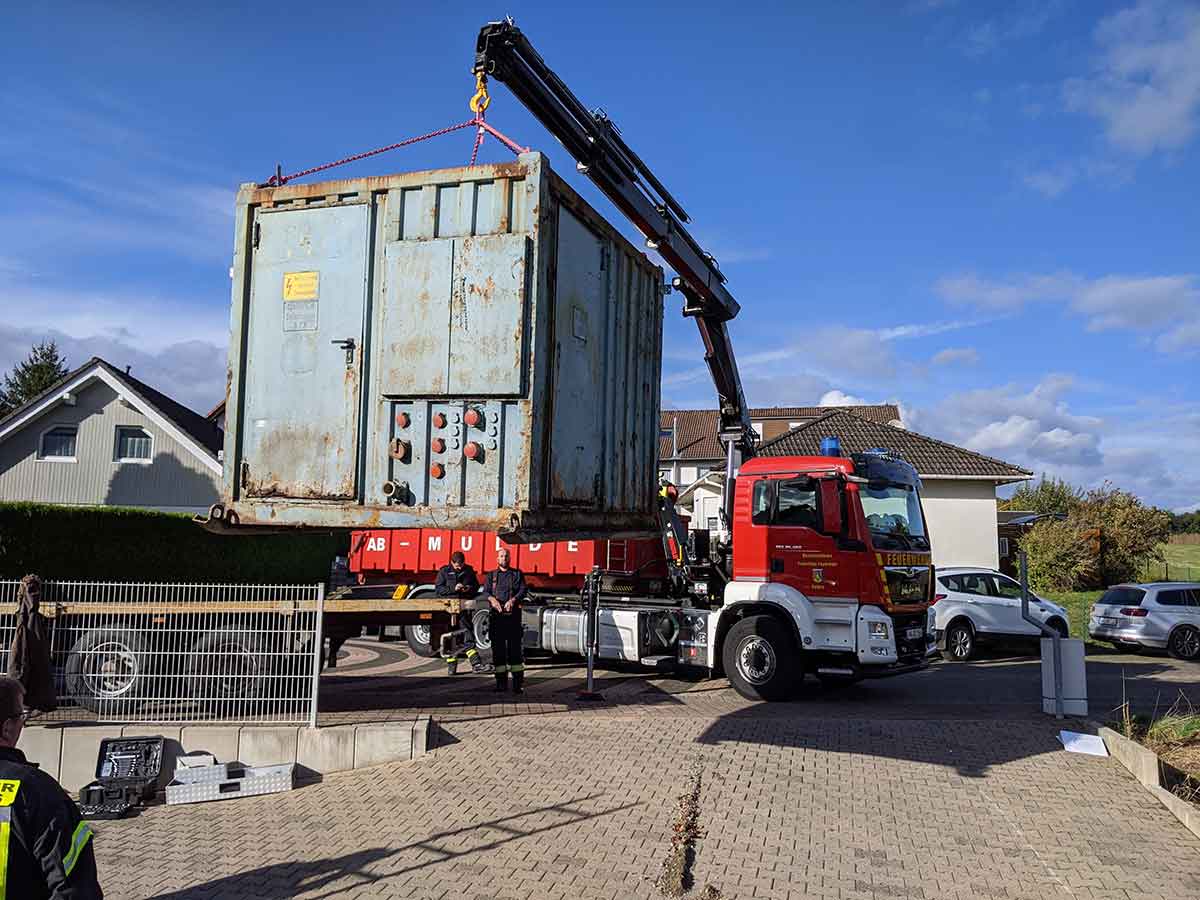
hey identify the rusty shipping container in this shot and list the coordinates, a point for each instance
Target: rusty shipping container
(471, 348)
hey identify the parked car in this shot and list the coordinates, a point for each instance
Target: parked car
(1163, 615)
(977, 606)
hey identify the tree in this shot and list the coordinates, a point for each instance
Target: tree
(1048, 496)
(1108, 537)
(1186, 523)
(42, 368)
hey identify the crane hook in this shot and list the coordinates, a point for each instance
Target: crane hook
(481, 100)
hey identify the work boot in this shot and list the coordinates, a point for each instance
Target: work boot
(478, 666)
(501, 682)
(518, 682)
(452, 666)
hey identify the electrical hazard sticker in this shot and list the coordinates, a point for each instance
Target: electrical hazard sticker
(301, 285)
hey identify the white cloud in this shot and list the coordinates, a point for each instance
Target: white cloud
(1167, 306)
(951, 355)
(838, 398)
(1021, 22)
(1146, 87)
(1052, 182)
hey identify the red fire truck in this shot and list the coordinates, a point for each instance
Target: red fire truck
(826, 571)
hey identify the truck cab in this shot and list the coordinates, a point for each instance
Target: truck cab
(831, 572)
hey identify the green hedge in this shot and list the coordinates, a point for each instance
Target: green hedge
(103, 543)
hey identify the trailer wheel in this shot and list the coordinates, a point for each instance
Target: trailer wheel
(107, 666)
(481, 624)
(228, 664)
(760, 658)
(420, 640)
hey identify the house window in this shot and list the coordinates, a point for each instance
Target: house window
(1003, 547)
(59, 443)
(713, 524)
(133, 444)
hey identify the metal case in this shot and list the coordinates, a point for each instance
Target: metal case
(470, 348)
(247, 782)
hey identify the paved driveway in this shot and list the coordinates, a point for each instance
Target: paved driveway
(944, 784)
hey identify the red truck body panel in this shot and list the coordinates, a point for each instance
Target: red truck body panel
(413, 555)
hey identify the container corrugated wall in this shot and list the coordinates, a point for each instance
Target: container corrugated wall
(464, 348)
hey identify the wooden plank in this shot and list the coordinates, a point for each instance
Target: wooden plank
(286, 608)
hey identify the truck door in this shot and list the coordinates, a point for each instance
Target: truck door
(800, 555)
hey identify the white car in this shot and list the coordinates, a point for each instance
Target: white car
(975, 606)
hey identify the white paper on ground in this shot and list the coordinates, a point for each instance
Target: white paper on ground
(1091, 744)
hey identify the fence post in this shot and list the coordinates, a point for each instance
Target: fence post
(318, 656)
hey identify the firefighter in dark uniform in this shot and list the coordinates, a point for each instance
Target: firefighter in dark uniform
(506, 591)
(457, 579)
(45, 847)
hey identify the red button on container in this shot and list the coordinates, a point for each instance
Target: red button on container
(437, 470)
(438, 445)
(439, 420)
(402, 420)
(472, 450)
(473, 418)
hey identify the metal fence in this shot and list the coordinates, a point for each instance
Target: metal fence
(1169, 571)
(176, 653)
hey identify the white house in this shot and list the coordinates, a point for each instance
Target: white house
(958, 485)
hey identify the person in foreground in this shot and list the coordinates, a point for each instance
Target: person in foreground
(45, 847)
(458, 579)
(505, 590)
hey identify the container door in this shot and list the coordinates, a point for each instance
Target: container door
(304, 354)
(577, 432)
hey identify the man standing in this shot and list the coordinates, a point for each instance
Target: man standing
(506, 591)
(45, 848)
(458, 580)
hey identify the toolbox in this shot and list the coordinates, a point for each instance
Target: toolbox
(240, 781)
(198, 768)
(127, 771)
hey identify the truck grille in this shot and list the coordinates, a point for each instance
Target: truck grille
(909, 649)
(908, 584)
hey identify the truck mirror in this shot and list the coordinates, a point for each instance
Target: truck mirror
(831, 506)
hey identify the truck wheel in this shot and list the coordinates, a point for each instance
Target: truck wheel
(960, 642)
(227, 664)
(105, 667)
(1184, 643)
(420, 640)
(481, 623)
(760, 658)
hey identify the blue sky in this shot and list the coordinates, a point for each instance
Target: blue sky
(986, 212)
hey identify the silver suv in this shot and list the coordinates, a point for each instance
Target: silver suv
(1164, 615)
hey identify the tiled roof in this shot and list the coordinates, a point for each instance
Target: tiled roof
(195, 425)
(929, 456)
(698, 427)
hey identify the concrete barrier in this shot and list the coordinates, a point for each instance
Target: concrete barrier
(1146, 767)
(68, 752)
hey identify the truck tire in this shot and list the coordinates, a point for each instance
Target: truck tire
(481, 623)
(761, 658)
(420, 640)
(227, 665)
(105, 667)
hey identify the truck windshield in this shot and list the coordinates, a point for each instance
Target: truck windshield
(894, 516)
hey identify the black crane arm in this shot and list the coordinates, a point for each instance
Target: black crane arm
(504, 53)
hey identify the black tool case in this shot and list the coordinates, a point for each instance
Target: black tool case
(127, 772)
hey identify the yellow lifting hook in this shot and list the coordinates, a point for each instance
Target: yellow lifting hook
(481, 100)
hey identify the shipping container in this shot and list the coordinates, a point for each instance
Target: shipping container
(470, 348)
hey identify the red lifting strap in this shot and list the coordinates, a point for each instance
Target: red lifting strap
(484, 129)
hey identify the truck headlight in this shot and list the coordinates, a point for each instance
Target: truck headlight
(878, 631)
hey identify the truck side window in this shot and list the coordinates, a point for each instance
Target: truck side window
(797, 504)
(760, 505)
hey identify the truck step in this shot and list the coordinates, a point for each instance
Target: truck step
(661, 663)
(827, 670)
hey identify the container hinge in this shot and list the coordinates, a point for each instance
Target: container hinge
(257, 234)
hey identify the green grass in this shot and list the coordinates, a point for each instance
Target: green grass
(1181, 562)
(1079, 609)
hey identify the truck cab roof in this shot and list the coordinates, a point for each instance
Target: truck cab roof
(784, 465)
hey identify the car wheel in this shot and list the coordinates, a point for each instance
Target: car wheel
(1184, 643)
(960, 642)
(1061, 627)
(760, 658)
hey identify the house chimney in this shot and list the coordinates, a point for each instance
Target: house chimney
(127, 368)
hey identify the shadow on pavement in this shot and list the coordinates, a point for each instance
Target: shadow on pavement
(318, 879)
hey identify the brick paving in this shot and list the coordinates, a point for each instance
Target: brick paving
(811, 799)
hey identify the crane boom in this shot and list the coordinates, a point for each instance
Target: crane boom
(504, 53)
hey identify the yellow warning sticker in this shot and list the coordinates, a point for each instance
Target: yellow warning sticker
(301, 285)
(8, 791)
